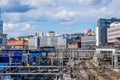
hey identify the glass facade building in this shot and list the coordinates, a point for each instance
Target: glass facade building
(1, 32)
(1, 26)
(103, 24)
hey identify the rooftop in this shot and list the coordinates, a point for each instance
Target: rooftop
(115, 24)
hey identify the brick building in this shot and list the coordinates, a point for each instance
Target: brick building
(17, 44)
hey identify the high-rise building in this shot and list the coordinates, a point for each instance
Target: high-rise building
(114, 34)
(1, 26)
(102, 25)
(1, 23)
(3, 37)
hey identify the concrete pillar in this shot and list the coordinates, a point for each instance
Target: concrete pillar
(115, 61)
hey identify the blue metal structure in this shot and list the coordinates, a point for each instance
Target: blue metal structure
(12, 57)
(38, 58)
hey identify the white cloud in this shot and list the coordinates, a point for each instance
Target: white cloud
(63, 11)
(64, 15)
(39, 14)
(86, 2)
(4, 2)
(14, 17)
(37, 3)
(18, 29)
(94, 2)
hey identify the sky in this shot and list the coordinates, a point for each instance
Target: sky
(25, 17)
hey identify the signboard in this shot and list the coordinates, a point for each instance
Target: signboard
(34, 54)
(37, 53)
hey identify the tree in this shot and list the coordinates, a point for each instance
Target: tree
(12, 39)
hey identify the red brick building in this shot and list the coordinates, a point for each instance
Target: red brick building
(74, 42)
(17, 44)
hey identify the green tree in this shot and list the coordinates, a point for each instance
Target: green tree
(12, 39)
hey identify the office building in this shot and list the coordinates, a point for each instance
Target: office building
(58, 42)
(24, 37)
(39, 34)
(102, 25)
(43, 41)
(97, 36)
(88, 40)
(51, 33)
(61, 42)
(1, 27)
(3, 37)
(33, 43)
(114, 34)
(1, 23)
(4, 40)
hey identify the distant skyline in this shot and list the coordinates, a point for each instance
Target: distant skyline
(25, 17)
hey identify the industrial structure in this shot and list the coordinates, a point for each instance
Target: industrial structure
(65, 64)
(108, 56)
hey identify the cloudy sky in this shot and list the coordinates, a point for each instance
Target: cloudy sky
(24, 17)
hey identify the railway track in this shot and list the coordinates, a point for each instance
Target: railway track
(88, 72)
(79, 75)
(103, 74)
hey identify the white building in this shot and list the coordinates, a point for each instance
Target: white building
(113, 33)
(39, 34)
(107, 56)
(98, 42)
(33, 42)
(43, 41)
(51, 33)
(59, 42)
